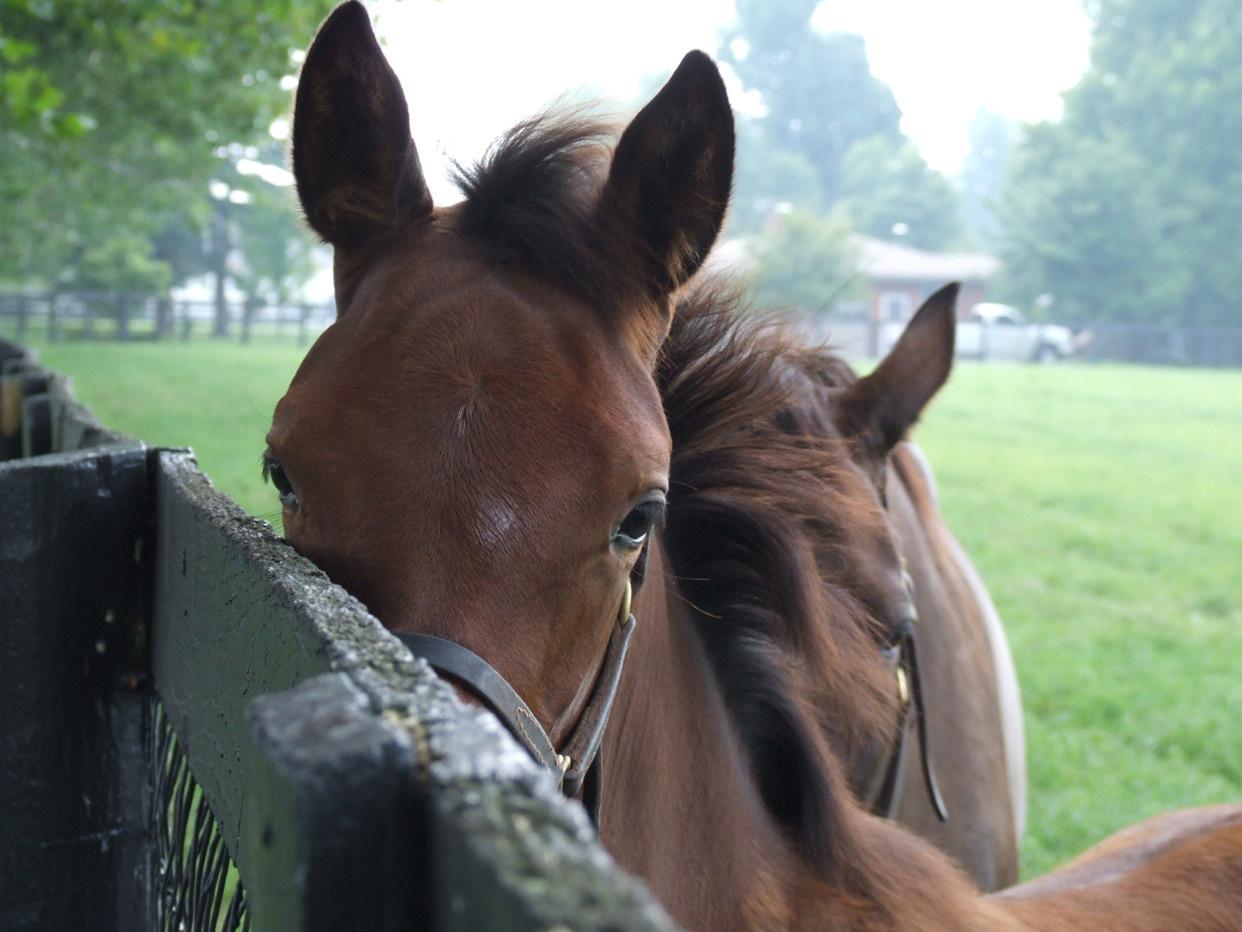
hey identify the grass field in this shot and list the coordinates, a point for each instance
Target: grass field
(215, 397)
(1101, 504)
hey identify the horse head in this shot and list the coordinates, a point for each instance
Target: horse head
(476, 447)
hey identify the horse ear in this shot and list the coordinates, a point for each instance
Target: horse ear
(356, 167)
(877, 410)
(669, 182)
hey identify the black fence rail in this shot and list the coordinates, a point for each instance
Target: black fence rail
(98, 315)
(1158, 344)
(201, 732)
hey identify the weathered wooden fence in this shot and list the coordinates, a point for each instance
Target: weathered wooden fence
(199, 731)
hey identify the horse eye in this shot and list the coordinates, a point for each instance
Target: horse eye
(276, 473)
(632, 532)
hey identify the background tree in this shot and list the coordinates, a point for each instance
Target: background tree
(768, 178)
(1130, 206)
(1085, 227)
(992, 137)
(818, 89)
(819, 96)
(828, 147)
(115, 116)
(806, 262)
(273, 248)
(890, 192)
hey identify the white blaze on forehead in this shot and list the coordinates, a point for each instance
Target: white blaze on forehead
(496, 525)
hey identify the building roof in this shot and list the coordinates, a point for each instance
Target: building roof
(885, 261)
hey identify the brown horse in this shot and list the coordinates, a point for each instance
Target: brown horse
(525, 412)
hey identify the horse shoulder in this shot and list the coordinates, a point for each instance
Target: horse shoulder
(1179, 870)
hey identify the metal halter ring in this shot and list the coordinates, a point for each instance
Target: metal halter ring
(623, 616)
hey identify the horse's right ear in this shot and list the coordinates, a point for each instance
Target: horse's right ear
(877, 410)
(669, 183)
(356, 167)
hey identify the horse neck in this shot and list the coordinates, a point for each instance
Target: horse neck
(682, 810)
(679, 808)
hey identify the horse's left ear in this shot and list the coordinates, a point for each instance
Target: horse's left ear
(877, 410)
(669, 183)
(356, 167)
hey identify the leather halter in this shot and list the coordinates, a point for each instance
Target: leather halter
(579, 767)
(903, 654)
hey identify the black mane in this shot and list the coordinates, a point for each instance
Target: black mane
(761, 534)
(533, 197)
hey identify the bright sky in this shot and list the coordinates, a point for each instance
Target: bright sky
(472, 68)
(945, 60)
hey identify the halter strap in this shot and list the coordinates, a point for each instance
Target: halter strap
(910, 655)
(472, 670)
(903, 654)
(579, 763)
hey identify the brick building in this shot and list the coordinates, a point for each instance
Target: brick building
(900, 277)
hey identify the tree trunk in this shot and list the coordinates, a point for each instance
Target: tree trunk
(163, 316)
(219, 261)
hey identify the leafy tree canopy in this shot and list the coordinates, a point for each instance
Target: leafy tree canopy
(992, 137)
(1130, 207)
(805, 261)
(769, 177)
(273, 247)
(829, 146)
(817, 89)
(890, 192)
(114, 117)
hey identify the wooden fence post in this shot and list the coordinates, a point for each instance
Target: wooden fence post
(122, 317)
(248, 311)
(163, 316)
(76, 794)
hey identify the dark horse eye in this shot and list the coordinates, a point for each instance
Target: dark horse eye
(632, 532)
(276, 473)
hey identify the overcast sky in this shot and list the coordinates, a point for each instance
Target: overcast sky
(472, 68)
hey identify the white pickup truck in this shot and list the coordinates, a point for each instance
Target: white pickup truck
(998, 331)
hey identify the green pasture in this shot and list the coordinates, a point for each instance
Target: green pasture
(1103, 506)
(214, 396)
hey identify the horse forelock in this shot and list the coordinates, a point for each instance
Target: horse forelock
(762, 525)
(533, 198)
